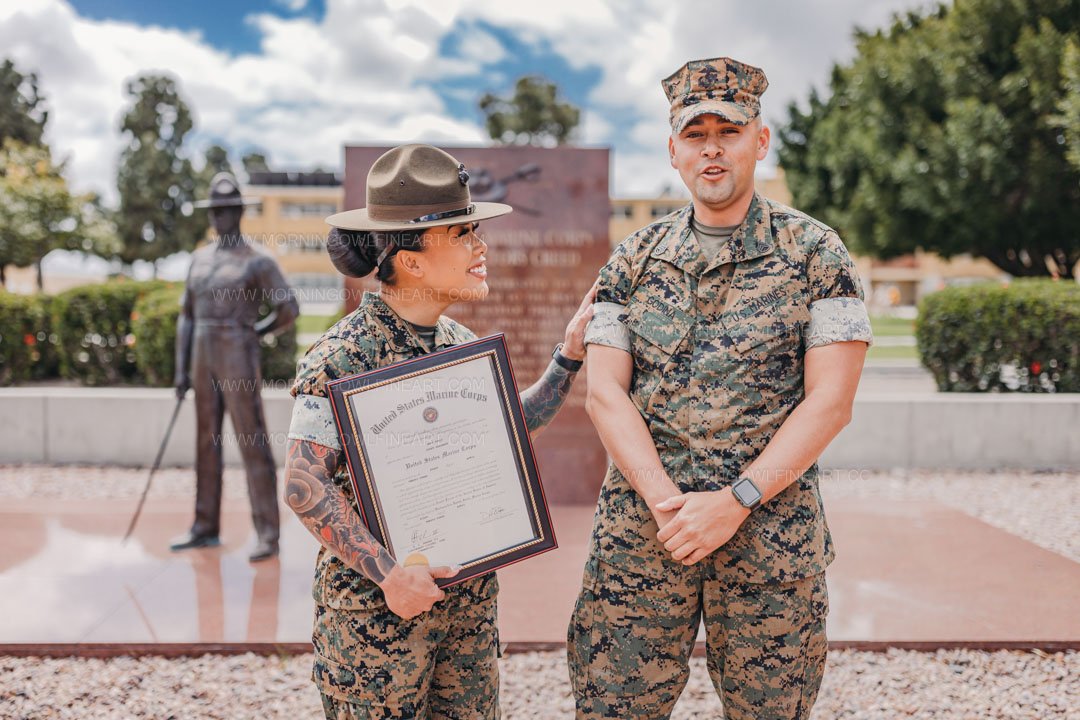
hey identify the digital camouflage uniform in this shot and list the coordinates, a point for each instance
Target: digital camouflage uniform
(369, 662)
(718, 346)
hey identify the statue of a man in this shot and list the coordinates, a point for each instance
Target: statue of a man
(217, 353)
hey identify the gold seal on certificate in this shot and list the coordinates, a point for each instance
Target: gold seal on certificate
(441, 462)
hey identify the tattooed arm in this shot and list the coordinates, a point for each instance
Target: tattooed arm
(325, 512)
(323, 509)
(543, 400)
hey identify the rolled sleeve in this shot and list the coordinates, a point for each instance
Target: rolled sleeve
(608, 326)
(313, 421)
(834, 320)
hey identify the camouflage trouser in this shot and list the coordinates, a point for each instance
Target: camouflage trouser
(631, 636)
(371, 664)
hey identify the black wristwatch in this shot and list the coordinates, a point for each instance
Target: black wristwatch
(747, 493)
(565, 362)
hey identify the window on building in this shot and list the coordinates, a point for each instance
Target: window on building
(659, 211)
(307, 209)
(622, 212)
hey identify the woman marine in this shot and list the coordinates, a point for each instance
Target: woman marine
(389, 643)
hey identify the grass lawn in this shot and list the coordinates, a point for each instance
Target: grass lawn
(308, 324)
(878, 352)
(882, 325)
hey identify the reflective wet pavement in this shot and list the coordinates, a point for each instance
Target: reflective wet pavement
(906, 572)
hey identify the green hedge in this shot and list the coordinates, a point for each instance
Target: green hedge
(28, 346)
(118, 332)
(93, 323)
(154, 328)
(1023, 337)
(153, 323)
(279, 355)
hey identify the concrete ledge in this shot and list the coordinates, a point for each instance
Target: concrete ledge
(961, 431)
(116, 426)
(123, 426)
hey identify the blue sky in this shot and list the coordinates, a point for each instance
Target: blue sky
(225, 26)
(222, 24)
(300, 79)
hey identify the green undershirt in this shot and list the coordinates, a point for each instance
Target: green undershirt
(711, 238)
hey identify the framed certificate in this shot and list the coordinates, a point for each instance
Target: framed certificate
(441, 461)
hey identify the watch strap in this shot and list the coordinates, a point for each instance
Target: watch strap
(565, 362)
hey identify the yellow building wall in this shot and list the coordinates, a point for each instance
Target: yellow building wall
(296, 240)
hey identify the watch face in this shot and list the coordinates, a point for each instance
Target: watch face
(746, 492)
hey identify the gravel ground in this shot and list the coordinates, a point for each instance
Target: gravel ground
(945, 685)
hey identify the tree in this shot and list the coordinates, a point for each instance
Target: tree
(22, 112)
(532, 116)
(1069, 119)
(38, 214)
(255, 162)
(217, 160)
(945, 133)
(156, 180)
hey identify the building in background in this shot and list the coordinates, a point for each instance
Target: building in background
(291, 224)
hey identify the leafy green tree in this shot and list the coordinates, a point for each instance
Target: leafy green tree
(533, 115)
(945, 133)
(156, 180)
(1069, 119)
(38, 214)
(255, 162)
(217, 160)
(22, 111)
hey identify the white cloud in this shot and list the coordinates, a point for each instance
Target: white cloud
(595, 128)
(368, 71)
(360, 75)
(480, 46)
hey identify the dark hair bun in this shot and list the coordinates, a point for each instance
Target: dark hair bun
(352, 252)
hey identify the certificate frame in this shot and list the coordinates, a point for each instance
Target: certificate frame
(347, 400)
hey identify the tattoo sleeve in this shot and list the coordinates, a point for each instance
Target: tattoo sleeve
(543, 400)
(323, 509)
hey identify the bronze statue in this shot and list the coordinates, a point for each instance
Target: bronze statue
(217, 353)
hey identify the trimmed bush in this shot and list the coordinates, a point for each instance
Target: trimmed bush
(1023, 337)
(154, 329)
(93, 323)
(153, 322)
(279, 355)
(27, 343)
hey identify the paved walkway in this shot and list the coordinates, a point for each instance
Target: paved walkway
(908, 571)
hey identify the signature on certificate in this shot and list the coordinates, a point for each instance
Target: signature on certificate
(495, 512)
(423, 538)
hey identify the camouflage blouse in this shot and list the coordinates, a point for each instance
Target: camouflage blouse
(718, 346)
(370, 337)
